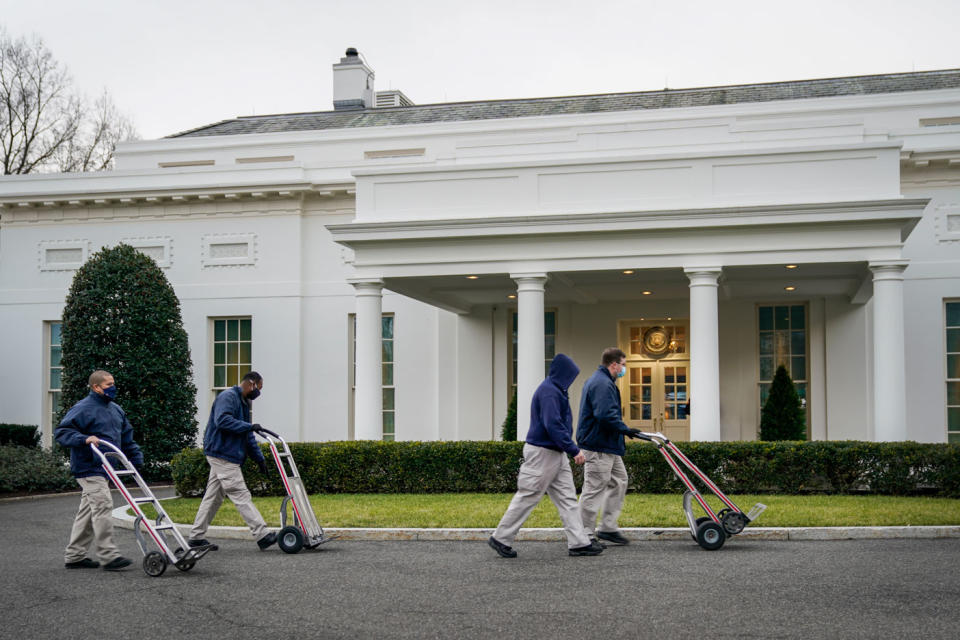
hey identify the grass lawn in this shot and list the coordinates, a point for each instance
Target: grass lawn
(640, 510)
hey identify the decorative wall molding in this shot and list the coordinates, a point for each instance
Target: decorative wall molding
(229, 250)
(62, 255)
(160, 248)
(946, 223)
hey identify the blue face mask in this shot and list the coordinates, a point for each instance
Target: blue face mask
(623, 371)
(110, 392)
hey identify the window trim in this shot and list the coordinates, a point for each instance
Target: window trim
(806, 339)
(211, 345)
(512, 312)
(352, 375)
(946, 372)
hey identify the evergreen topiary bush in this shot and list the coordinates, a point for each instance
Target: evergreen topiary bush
(508, 431)
(782, 417)
(24, 435)
(123, 316)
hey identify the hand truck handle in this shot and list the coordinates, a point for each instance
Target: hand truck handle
(268, 432)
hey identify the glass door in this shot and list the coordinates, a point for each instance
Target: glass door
(656, 397)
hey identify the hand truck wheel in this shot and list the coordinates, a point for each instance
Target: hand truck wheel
(711, 535)
(700, 521)
(290, 539)
(154, 564)
(185, 566)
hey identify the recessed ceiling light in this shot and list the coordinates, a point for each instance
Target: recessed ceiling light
(512, 296)
(669, 318)
(790, 288)
(472, 277)
(628, 271)
(643, 318)
(647, 293)
(791, 266)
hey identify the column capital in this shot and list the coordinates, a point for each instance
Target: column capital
(366, 286)
(888, 269)
(703, 276)
(530, 281)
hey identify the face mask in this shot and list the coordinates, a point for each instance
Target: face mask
(110, 392)
(622, 372)
(254, 394)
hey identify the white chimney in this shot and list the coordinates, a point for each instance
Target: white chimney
(352, 83)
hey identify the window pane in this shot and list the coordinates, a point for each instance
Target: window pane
(220, 353)
(549, 346)
(766, 318)
(953, 437)
(953, 314)
(55, 356)
(766, 343)
(798, 345)
(233, 376)
(233, 353)
(388, 374)
(220, 376)
(953, 419)
(682, 375)
(635, 375)
(798, 369)
(764, 392)
(634, 394)
(550, 322)
(244, 369)
(389, 423)
(953, 366)
(781, 317)
(766, 368)
(56, 327)
(953, 393)
(55, 378)
(953, 340)
(245, 356)
(386, 351)
(635, 412)
(245, 329)
(233, 329)
(781, 346)
(388, 399)
(386, 327)
(647, 394)
(219, 330)
(797, 320)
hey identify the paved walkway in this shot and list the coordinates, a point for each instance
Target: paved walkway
(461, 589)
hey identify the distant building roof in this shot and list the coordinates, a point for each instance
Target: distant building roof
(598, 103)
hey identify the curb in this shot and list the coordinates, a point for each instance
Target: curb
(60, 494)
(635, 534)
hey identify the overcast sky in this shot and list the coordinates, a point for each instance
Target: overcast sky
(173, 65)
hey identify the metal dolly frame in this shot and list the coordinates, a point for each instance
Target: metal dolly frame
(292, 538)
(182, 556)
(712, 530)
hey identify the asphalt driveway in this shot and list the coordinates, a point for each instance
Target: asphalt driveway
(748, 589)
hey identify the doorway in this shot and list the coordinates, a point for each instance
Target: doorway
(656, 389)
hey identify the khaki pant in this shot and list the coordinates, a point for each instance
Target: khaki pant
(543, 471)
(604, 486)
(93, 522)
(226, 479)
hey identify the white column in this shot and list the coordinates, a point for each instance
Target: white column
(530, 354)
(368, 392)
(889, 366)
(704, 383)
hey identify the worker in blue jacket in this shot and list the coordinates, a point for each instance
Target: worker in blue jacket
(96, 417)
(227, 442)
(545, 468)
(600, 434)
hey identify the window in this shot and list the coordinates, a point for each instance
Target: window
(783, 341)
(388, 381)
(953, 371)
(232, 351)
(54, 372)
(549, 345)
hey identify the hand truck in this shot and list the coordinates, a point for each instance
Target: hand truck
(309, 533)
(712, 530)
(183, 556)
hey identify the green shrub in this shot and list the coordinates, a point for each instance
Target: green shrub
(782, 417)
(508, 430)
(24, 435)
(894, 468)
(33, 469)
(123, 316)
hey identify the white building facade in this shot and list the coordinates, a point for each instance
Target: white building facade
(396, 272)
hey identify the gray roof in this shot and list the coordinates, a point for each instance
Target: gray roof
(598, 103)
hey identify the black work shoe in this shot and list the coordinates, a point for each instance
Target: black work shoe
(595, 541)
(592, 549)
(202, 542)
(86, 563)
(267, 540)
(502, 549)
(613, 536)
(117, 564)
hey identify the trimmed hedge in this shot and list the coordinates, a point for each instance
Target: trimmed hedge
(898, 468)
(24, 435)
(33, 469)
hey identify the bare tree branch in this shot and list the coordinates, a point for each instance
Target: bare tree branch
(45, 124)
